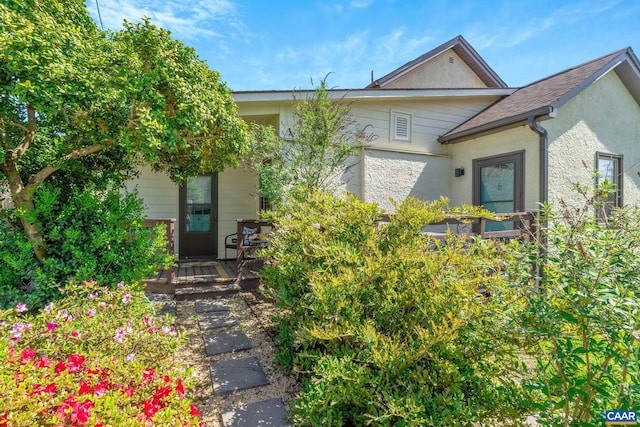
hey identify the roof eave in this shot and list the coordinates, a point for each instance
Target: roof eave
(491, 127)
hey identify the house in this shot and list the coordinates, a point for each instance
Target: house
(446, 124)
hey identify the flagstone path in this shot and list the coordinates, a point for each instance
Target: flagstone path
(232, 359)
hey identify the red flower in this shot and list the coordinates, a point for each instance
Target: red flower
(84, 388)
(180, 388)
(40, 389)
(26, 355)
(60, 366)
(148, 374)
(101, 388)
(75, 362)
(43, 362)
(162, 392)
(82, 412)
(128, 391)
(150, 408)
(194, 410)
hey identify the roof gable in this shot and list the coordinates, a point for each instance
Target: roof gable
(544, 97)
(454, 64)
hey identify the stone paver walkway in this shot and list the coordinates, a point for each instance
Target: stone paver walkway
(222, 335)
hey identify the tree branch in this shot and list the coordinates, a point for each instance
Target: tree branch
(38, 178)
(30, 132)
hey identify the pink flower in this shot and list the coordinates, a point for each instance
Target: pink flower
(21, 307)
(148, 374)
(51, 326)
(48, 308)
(18, 328)
(120, 285)
(62, 313)
(130, 357)
(126, 298)
(92, 296)
(91, 312)
(119, 335)
(74, 334)
(102, 304)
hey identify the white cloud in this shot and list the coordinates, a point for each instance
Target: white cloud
(187, 20)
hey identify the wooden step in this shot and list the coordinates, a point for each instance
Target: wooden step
(190, 293)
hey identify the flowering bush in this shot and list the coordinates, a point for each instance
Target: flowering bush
(96, 357)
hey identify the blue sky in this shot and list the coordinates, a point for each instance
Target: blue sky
(262, 45)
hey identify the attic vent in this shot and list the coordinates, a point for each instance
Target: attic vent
(401, 126)
(451, 60)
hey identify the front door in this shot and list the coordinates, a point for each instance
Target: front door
(199, 218)
(498, 186)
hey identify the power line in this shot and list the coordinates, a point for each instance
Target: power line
(99, 16)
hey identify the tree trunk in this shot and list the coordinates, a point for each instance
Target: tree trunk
(23, 200)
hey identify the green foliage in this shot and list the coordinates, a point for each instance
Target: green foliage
(387, 325)
(582, 328)
(89, 233)
(94, 357)
(80, 105)
(316, 148)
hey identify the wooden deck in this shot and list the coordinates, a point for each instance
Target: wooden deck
(196, 279)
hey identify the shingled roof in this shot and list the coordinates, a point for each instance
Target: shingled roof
(540, 98)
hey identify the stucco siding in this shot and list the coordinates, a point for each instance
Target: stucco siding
(446, 70)
(399, 175)
(603, 117)
(509, 141)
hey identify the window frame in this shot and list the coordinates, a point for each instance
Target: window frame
(394, 128)
(618, 175)
(517, 157)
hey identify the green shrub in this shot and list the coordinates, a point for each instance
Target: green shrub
(583, 328)
(386, 325)
(95, 357)
(90, 234)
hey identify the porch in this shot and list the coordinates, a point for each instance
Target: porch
(202, 279)
(193, 279)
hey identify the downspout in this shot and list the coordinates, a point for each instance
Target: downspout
(543, 194)
(544, 158)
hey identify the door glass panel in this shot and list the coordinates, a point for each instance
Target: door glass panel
(198, 210)
(497, 184)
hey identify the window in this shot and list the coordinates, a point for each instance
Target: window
(609, 167)
(401, 126)
(498, 185)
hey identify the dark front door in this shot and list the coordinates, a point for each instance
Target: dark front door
(498, 186)
(199, 217)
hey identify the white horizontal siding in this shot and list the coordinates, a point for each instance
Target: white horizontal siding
(237, 198)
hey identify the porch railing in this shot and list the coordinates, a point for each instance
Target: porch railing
(170, 233)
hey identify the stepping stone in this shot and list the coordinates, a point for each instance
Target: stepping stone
(216, 319)
(226, 342)
(268, 413)
(228, 376)
(204, 306)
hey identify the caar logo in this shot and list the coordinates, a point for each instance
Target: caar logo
(620, 418)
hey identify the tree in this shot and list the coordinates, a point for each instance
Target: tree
(321, 137)
(80, 104)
